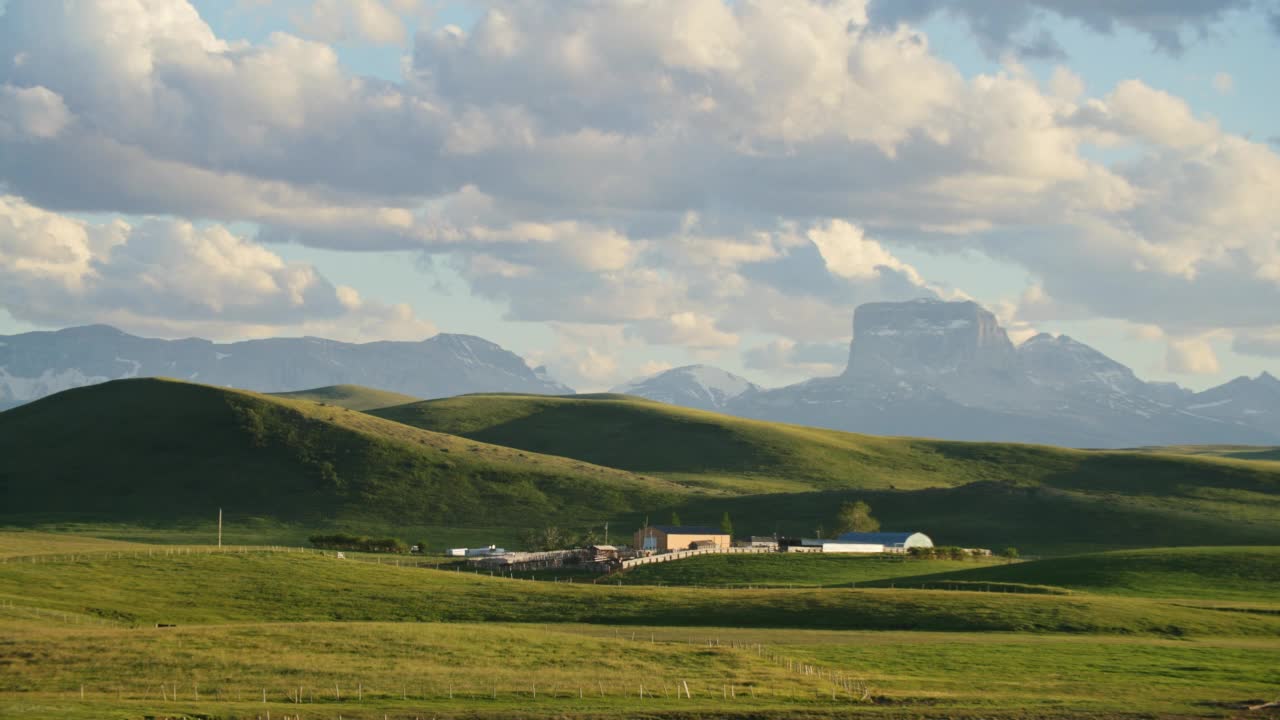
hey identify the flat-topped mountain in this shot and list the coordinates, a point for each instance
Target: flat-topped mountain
(925, 338)
(36, 364)
(948, 370)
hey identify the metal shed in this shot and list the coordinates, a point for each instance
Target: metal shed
(892, 541)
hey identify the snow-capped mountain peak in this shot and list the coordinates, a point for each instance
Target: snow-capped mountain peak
(699, 386)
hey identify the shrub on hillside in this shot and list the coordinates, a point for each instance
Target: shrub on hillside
(359, 543)
(944, 552)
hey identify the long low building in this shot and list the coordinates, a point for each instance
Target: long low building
(889, 541)
(866, 543)
(669, 538)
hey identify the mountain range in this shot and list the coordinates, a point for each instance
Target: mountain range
(36, 364)
(948, 370)
(921, 368)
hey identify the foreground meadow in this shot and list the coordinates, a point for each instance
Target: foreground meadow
(414, 669)
(119, 631)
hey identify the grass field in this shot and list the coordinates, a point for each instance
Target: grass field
(649, 437)
(1235, 452)
(774, 477)
(792, 570)
(297, 587)
(1218, 573)
(360, 640)
(352, 397)
(412, 670)
(156, 450)
(154, 459)
(256, 531)
(17, 544)
(1038, 520)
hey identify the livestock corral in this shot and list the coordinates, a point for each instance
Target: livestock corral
(657, 544)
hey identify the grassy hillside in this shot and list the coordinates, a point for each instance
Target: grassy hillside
(1037, 519)
(410, 670)
(751, 456)
(1235, 452)
(791, 570)
(301, 634)
(1040, 499)
(1219, 573)
(296, 587)
(19, 544)
(715, 450)
(352, 397)
(159, 450)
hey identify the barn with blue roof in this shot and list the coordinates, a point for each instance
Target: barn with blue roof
(889, 541)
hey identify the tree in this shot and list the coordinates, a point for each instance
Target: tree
(543, 539)
(1010, 553)
(726, 525)
(856, 517)
(675, 518)
(422, 547)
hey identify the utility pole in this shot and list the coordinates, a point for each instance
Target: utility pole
(219, 527)
(606, 532)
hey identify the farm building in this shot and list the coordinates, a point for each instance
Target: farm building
(666, 538)
(828, 545)
(475, 552)
(858, 543)
(889, 541)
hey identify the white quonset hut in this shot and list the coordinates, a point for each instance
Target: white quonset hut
(884, 541)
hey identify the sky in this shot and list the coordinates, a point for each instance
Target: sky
(614, 188)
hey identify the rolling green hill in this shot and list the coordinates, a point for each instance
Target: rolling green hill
(292, 587)
(1037, 519)
(1235, 452)
(290, 634)
(749, 456)
(1219, 573)
(793, 570)
(773, 477)
(159, 450)
(352, 397)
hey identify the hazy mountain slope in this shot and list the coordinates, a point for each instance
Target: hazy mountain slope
(697, 386)
(948, 370)
(1248, 401)
(352, 397)
(165, 450)
(36, 364)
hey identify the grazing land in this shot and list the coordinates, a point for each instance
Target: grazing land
(650, 437)
(147, 450)
(121, 608)
(793, 570)
(323, 637)
(1236, 452)
(154, 459)
(234, 587)
(18, 544)
(352, 397)
(1218, 573)
(1043, 500)
(363, 670)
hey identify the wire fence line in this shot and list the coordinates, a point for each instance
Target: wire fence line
(803, 683)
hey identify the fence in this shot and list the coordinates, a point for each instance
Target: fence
(682, 554)
(175, 550)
